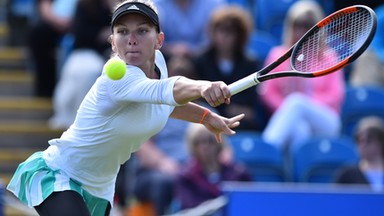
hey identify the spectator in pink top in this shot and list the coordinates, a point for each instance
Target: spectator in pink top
(301, 108)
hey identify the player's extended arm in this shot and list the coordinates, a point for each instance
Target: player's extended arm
(186, 90)
(213, 122)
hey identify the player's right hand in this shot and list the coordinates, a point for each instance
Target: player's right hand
(216, 93)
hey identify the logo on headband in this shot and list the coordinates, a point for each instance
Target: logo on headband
(133, 7)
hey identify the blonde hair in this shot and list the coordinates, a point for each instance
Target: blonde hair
(194, 131)
(296, 12)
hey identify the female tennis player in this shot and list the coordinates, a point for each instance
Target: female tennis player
(76, 174)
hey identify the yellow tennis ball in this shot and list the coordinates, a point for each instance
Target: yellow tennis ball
(115, 68)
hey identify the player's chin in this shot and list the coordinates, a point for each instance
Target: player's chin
(133, 59)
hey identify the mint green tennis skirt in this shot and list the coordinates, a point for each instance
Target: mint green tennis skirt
(34, 181)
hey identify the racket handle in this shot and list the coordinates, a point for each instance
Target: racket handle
(242, 84)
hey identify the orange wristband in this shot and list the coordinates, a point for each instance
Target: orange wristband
(204, 114)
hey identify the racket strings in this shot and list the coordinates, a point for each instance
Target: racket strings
(333, 43)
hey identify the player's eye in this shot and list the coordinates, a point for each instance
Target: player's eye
(122, 31)
(143, 30)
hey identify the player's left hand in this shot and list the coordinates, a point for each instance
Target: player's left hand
(218, 124)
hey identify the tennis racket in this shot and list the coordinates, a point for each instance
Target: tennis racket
(330, 45)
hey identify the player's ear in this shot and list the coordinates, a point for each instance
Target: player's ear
(160, 40)
(113, 44)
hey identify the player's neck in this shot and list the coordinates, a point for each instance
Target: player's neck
(150, 70)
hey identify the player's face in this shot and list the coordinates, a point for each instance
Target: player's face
(135, 40)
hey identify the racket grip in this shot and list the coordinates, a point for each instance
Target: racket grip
(243, 84)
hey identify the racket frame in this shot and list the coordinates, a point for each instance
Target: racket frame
(263, 74)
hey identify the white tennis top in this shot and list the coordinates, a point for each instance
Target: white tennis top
(113, 120)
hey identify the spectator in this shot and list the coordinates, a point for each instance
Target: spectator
(370, 144)
(185, 25)
(200, 179)
(54, 21)
(90, 30)
(225, 59)
(368, 68)
(301, 107)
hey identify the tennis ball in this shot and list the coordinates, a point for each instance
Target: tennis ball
(115, 68)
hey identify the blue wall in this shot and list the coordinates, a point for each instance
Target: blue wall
(301, 200)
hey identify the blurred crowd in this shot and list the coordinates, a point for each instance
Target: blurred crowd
(224, 40)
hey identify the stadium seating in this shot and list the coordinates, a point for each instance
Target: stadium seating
(360, 102)
(260, 43)
(263, 161)
(243, 3)
(318, 159)
(270, 15)
(328, 6)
